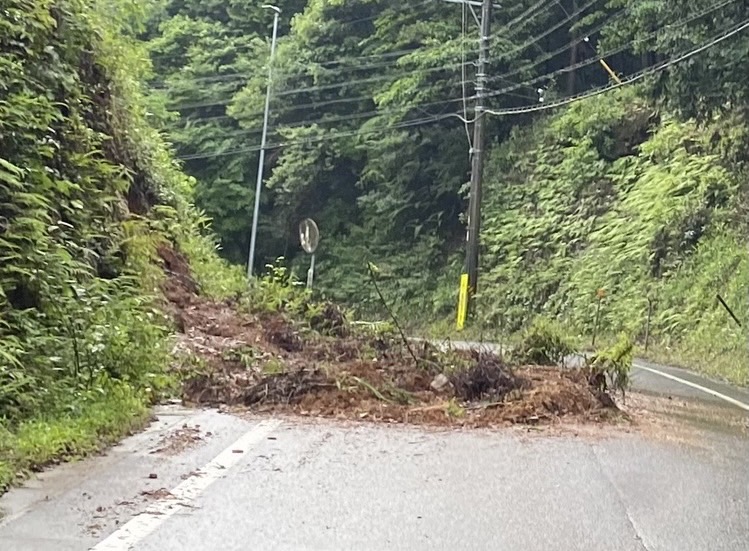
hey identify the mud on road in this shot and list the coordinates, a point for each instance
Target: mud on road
(316, 364)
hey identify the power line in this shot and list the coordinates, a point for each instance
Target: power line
(401, 8)
(352, 61)
(545, 33)
(606, 54)
(528, 83)
(351, 117)
(514, 86)
(397, 9)
(632, 79)
(396, 126)
(507, 74)
(164, 85)
(425, 70)
(333, 86)
(525, 17)
(568, 45)
(462, 65)
(369, 80)
(341, 118)
(311, 105)
(509, 111)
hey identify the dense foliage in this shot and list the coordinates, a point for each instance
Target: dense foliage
(88, 192)
(638, 195)
(625, 212)
(362, 90)
(621, 207)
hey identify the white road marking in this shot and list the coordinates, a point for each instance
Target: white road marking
(706, 390)
(139, 527)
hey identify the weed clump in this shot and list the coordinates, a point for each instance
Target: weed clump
(610, 368)
(543, 343)
(328, 319)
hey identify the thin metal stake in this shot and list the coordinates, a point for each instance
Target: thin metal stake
(311, 272)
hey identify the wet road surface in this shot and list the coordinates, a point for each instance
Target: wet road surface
(678, 482)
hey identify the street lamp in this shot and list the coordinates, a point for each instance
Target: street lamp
(261, 161)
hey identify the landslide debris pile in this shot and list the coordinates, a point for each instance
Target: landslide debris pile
(230, 354)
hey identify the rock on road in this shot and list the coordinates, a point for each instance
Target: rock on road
(294, 484)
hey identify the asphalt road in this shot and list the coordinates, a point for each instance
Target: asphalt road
(291, 484)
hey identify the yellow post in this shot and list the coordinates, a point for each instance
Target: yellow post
(462, 301)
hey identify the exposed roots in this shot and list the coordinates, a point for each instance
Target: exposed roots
(488, 378)
(286, 388)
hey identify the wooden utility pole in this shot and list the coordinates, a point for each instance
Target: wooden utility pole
(477, 158)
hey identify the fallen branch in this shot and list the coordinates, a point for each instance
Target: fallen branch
(390, 312)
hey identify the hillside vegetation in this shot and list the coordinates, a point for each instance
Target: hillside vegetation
(634, 200)
(619, 202)
(127, 128)
(88, 193)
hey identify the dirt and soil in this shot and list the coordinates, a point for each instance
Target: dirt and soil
(268, 362)
(180, 440)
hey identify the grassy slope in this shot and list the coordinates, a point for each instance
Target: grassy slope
(47, 439)
(618, 197)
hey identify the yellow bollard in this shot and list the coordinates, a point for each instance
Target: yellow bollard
(462, 301)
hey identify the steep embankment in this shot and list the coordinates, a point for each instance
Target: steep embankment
(616, 195)
(87, 193)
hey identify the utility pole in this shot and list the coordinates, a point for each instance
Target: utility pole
(477, 158)
(263, 139)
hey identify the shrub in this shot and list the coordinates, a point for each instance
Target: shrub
(278, 291)
(611, 367)
(543, 343)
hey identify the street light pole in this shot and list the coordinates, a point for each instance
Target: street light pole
(261, 160)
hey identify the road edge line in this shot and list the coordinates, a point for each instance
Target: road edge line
(704, 389)
(142, 525)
